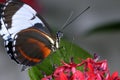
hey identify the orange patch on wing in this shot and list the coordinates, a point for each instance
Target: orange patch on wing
(45, 50)
(27, 57)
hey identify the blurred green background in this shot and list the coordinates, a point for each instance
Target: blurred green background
(96, 31)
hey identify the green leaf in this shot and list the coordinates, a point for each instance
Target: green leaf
(105, 28)
(69, 50)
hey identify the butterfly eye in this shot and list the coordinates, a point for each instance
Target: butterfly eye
(59, 34)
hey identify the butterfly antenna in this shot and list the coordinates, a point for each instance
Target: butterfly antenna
(59, 34)
(68, 19)
(66, 24)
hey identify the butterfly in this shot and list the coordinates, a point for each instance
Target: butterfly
(28, 38)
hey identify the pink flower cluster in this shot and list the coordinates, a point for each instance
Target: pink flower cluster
(93, 70)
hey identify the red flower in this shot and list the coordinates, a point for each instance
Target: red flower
(115, 76)
(78, 75)
(61, 76)
(93, 70)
